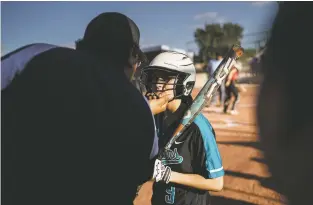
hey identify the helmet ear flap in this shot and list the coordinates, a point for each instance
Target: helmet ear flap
(188, 88)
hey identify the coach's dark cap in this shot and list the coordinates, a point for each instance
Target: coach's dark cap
(113, 28)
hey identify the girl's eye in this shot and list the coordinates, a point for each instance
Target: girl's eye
(161, 80)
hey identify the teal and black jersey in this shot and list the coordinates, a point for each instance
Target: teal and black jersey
(194, 152)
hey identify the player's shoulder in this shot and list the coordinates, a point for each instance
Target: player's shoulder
(39, 53)
(203, 127)
(63, 56)
(67, 63)
(15, 62)
(202, 122)
(29, 50)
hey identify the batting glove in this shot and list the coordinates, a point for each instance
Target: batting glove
(161, 173)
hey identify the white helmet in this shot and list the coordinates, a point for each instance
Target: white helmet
(173, 65)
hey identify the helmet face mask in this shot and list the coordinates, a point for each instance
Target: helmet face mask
(157, 80)
(169, 72)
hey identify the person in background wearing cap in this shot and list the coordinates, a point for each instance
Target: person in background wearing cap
(73, 126)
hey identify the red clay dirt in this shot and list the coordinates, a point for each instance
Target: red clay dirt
(246, 180)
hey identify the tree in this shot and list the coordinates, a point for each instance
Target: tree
(217, 38)
(248, 55)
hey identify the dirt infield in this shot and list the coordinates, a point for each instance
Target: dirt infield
(247, 180)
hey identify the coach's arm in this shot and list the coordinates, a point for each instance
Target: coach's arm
(144, 194)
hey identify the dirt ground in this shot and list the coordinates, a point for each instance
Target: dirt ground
(247, 180)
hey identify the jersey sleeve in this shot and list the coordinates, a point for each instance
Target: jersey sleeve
(208, 155)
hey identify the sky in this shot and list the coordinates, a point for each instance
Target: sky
(160, 23)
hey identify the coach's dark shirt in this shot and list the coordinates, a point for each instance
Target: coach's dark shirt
(74, 129)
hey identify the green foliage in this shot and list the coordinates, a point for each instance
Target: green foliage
(250, 52)
(197, 59)
(217, 38)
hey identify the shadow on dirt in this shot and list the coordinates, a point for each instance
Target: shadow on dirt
(218, 200)
(282, 201)
(255, 145)
(230, 132)
(266, 182)
(241, 123)
(250, 80)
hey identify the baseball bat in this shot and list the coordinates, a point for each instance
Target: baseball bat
(208, 90)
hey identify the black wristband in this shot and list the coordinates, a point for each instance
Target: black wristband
(167, 175)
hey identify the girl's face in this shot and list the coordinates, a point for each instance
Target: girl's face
(166, 86)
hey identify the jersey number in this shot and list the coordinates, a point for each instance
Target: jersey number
(170, 197)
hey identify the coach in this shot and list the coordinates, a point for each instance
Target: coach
(70, 119)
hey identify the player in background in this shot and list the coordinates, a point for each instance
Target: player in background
(213, 64)
(194, 159)
(231, 90)
(71, 116)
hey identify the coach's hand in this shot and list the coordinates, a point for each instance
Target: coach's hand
(158, 105)
(144, 194)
